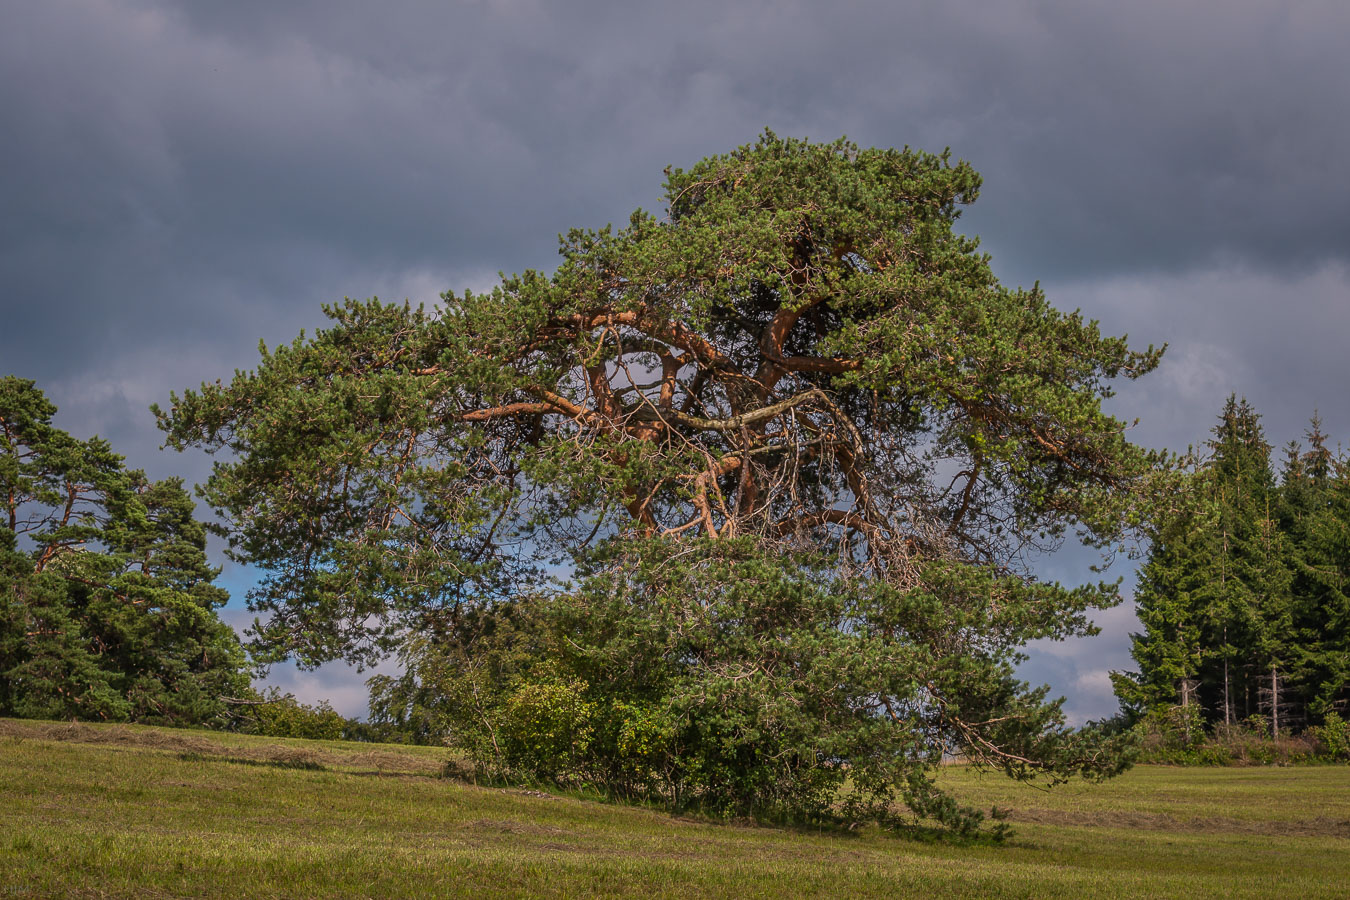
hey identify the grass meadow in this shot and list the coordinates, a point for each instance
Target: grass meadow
(124, 811)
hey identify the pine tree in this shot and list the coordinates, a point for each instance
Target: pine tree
(801, 369)
(107, 607)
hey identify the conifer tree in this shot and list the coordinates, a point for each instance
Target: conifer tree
(1173, 591)
(107, 607)
(800, 376)
(1249, 611)
(1214, 595)
(1315, 517)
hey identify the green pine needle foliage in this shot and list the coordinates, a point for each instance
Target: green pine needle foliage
(107, 607)
(732, 509)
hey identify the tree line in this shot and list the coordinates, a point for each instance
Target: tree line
(1245, 595)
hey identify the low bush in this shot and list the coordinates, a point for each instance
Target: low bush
(1178, 736)
(1333, 737)
(274, 714)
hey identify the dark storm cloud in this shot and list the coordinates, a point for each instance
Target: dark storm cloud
(179, 180)
(1149, 134)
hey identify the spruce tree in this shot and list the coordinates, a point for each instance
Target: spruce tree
(1183, 563)
(1214, 595)
(1315, 517)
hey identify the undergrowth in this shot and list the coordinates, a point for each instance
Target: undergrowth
(1179, 737)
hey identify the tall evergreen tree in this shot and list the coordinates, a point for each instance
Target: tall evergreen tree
(1214, 595)
(107, 607)
(1315, 516)
(1172, 592)
(1251, 613)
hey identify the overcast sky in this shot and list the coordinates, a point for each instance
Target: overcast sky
(179, 180)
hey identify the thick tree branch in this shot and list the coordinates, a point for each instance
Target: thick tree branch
(744, 420)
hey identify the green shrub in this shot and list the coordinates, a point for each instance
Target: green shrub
(545, 727)
(1177, 736)
(1173, 734)
(281, 715)
(1334, 737)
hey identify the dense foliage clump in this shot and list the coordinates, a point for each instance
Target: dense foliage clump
(274, 714)
(735, 502)
(710, 677)
(107, 607)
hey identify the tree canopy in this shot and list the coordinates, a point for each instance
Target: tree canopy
(801, 365)
(107, 607)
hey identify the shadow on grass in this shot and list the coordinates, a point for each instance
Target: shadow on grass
(925, 832)
(303, 764)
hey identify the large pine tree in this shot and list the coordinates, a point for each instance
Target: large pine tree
(801, 377)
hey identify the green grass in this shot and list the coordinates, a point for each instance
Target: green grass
(112, 811)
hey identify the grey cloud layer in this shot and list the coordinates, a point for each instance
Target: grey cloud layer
(1155, 133)
(179, 180)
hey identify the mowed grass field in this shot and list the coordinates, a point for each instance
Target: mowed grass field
(118, 811)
